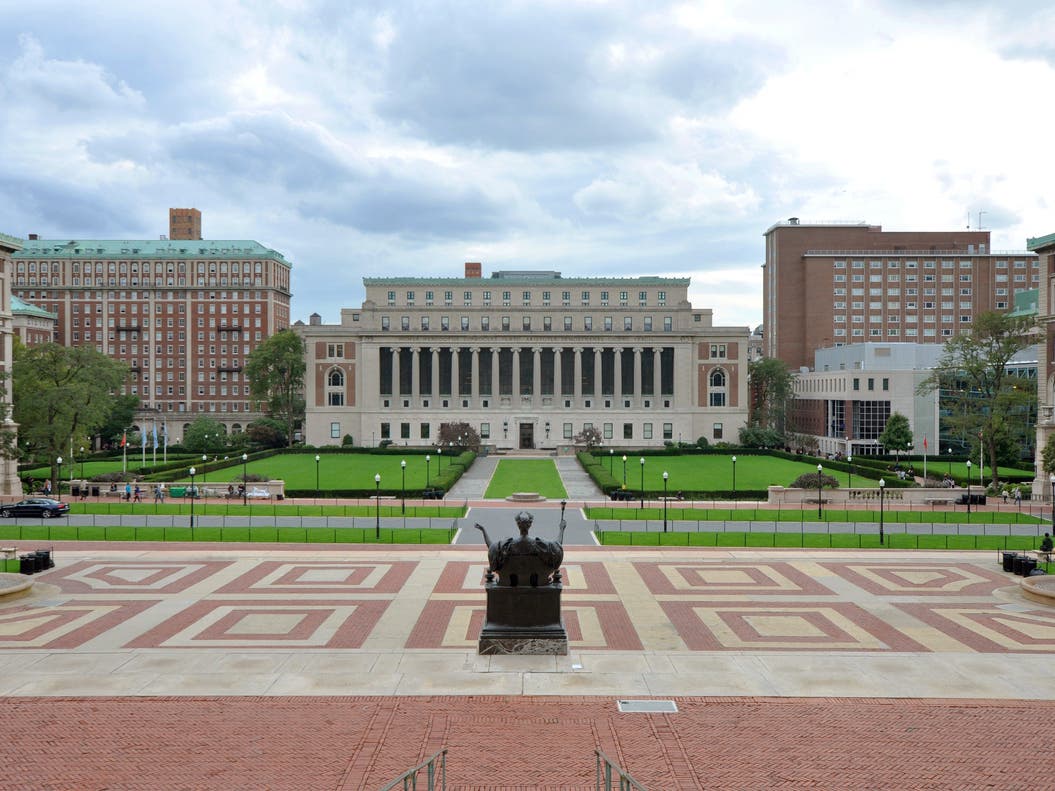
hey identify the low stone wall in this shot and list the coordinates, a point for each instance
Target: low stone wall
(782, 495)
(258, 490)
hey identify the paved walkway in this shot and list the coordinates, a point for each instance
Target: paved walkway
(256, 666)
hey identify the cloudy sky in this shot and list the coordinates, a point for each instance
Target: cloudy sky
(587, 136)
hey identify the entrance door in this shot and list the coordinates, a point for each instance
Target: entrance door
(527, 436)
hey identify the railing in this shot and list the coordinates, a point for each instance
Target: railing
(409, 779)
(607, 770)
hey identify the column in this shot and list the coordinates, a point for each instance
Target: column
(434, 381)
(516, 375)
(617, 376)
(657, 373)
(474, 384)
(558, 396)
(414, 363)
(577, 387)
(597, 386)
(494, 372)
(536, 372)
(635, 374)
(456, 370)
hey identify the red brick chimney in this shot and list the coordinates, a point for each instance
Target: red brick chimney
(473, 269)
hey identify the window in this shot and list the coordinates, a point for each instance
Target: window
(648, 323)
(718, 430)
(628, 324)
(334, 349)
(567, 428)
(628, 431)
(668, 431)
(646, 431)
(386, 431)
(404, 323)
(404, 431)
(425, 430)
(335, 387)
(527, 323)
(465, 323)
(567, 323)
(445, 323)
(485, 431)
(335, 430)
(505, 323)
(425, 323)
(718, 351)
(547, 323)
(668, 324)
(716, 390)
(607, 430)
(587, 323)
(607, 323)
(485, 323)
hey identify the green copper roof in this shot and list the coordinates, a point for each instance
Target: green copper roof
(1026, 303)
(19, 307)
(147, 248)
(11, 241)
(1040, 241)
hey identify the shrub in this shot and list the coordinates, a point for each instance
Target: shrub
(809, 481)
(348, 440)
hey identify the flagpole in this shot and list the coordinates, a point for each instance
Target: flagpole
(124, 452)
(165, 447)
(924, 461)
(154, 450)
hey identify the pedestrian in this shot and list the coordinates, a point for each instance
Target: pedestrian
(128, 492)
(1004, 493)
(1018, 497)
(159, 494)
(138, 492)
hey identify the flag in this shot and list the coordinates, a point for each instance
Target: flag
(124, 439)
(924, 444)
(143, 437)
(165, 433)
(155, 435)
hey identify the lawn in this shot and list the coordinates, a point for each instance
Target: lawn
(171, 507)
(816, 540)
(937, 467)
(713, 473)
(93, 467)
(526, 475)
(810, 515)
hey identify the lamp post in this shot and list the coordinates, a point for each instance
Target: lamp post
(642, 482)
(882, 487)
(850, 461)
(1051, 480)
(377, 507)
(317, 459)
(245, 478)
(611, 462)
(968, 489)
(950, 462)
(204, 458)
(428, 459)
(820, 469)
(439, 461)
(665, 501)
(192, 471)
(624, 470)
(58, 478)
(82, 462)
(734, 477)
(403, 486)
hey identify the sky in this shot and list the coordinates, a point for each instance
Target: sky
(592, 137)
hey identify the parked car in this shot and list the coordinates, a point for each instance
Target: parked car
(36, 506)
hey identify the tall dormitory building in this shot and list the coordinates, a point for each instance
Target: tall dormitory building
(184, 314)
(831, 285)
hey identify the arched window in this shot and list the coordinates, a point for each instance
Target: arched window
(716, 394)
(717, 378)
(335, 378)
(335, 387)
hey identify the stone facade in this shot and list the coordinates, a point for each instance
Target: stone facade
(529, 359)
(10, 483)
(1044, 247)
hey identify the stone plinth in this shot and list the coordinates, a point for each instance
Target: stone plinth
(523, 620)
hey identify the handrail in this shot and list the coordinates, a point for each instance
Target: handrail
(409, 778)
(605, 767)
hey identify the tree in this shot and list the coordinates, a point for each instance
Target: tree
(62, 392)
(756, 436)
(771, 386)
(266, 433)
(984, 400)
(897, 434)
(120, 418)
(275, 370)
(205, 435)
(590, 437)
(458, 435)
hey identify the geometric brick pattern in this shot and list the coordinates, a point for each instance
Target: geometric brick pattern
(468, 578)
(125, 576)
(709, 578)
(919, 579)
(987, 628)
(330, 577)
(65, 625)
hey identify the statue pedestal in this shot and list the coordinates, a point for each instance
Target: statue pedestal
(523, 620)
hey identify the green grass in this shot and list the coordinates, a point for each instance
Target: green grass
(937, 467)
(714, 473)
(254, 509)
(810, 515)
(300, 535)
(814, 540)
(526, 475)
(92, 468)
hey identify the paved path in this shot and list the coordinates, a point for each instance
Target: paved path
(473, 484)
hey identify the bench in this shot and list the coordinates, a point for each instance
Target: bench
(938, 501)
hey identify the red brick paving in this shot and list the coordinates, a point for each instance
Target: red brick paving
(505, 743)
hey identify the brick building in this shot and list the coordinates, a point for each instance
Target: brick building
(831, 285)
(33, 326)
(183, 314)
(529, 359)
(184, 224)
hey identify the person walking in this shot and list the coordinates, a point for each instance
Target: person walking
(159, 493)
(138, 493)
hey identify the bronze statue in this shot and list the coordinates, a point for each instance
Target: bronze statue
(525, 560)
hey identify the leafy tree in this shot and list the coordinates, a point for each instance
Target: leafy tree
(121, 416)
(897, 434)
(205, 435)
(808, 480)
(1047, 457)
(275, 370)
(266, 433)
(458, 435)
(62, 392)
(590, 437)
(756, 436)
(984, 399)
(771, 388)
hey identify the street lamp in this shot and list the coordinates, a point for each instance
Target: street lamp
(665, 501)
(204, 458)
(317, 459)
(611, 462)
(734, 477)
(968, 489)
(882, 486)
(820, 469)
(950, 462)
(192, 471)
(403, 486)
(642, 482)
(850, 461)
(428, 459)
(58, 478)
(245, 478)
(377, 500)
(624, 470)
(82, 462)
(439, 461)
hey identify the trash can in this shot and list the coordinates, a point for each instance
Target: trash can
(1009, 561)
(177, 491)
(1017, 564)
(1028, 565)
(75, 490)
(45, 559)
(95, 491)
(27, 564)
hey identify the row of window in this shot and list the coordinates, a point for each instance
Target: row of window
(567, 430)
(945, 264)
(146, 267)
(526, 297)
(425, 324)
(893, 318)
(893, 332)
